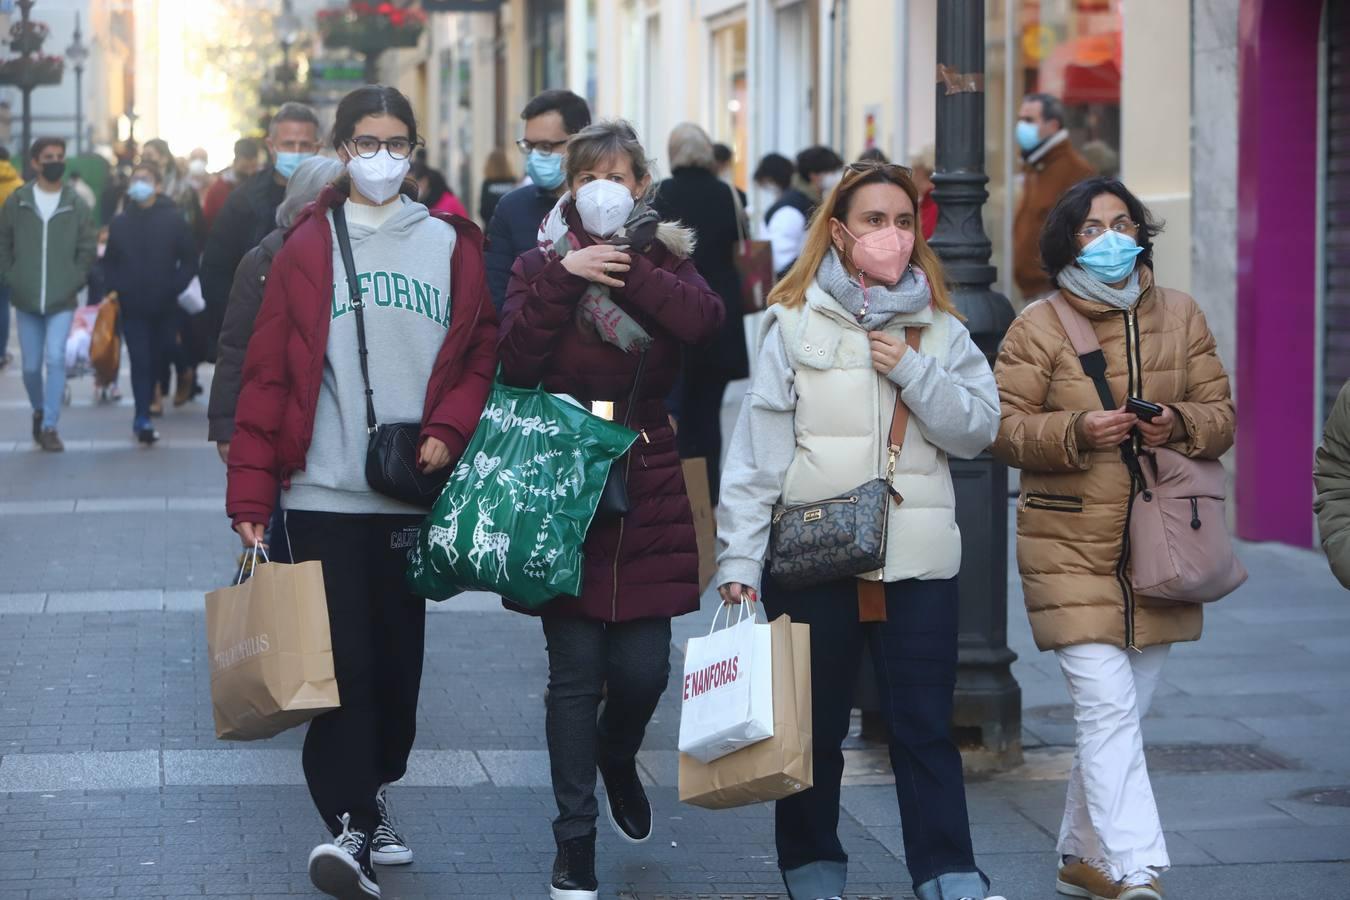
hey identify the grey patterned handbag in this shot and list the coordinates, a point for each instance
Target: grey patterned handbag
(844, 536)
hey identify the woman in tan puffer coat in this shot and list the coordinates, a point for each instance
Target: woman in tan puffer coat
(1072, 515)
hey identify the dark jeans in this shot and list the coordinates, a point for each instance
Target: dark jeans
(700, 432)
(150, 342)
(4, 320)
(182, 355)
(630, 663)
(914, 652)
(379, 632)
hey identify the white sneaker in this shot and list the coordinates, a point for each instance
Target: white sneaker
(387, 847)
(1144, 884)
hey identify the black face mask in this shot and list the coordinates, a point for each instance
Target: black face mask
(53, 171)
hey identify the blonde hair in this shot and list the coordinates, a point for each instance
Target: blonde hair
(791, 290)
(690, 147)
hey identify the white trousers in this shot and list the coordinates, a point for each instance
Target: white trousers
(1110, 813)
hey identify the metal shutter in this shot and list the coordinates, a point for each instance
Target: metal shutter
(1336, 313)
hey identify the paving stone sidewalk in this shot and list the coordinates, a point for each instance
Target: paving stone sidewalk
(113, 785)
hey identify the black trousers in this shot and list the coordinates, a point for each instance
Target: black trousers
(150, 344)
(379, 632)
(700, 432)
(627, 662)
(914, 652)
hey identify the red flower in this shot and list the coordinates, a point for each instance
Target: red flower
(396, 18)
(385, 9)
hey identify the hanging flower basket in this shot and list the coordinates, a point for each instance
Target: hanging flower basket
(27, 37)
(28, 72)
(371, 29)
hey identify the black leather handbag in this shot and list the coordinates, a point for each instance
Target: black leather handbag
(614, 497)
(391, 454)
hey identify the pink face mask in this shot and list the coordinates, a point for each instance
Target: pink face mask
(882, 255)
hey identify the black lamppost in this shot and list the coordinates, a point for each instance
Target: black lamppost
(288, 29)
(77, 53)
(988, 699)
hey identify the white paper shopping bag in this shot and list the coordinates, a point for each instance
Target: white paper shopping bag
(727, 692)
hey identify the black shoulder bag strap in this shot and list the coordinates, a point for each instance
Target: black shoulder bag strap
(358, 306)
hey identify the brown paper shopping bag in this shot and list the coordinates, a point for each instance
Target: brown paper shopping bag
(774, 768)
(705, 524)
(270, 651)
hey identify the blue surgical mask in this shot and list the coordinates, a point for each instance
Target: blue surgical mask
(1110, 258)
(288, 162)
(140, 191)
(545, 169)
(1028, 136)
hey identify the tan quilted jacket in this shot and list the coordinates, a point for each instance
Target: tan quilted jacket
(1073, 509)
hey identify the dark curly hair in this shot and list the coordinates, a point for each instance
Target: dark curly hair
(1059, 237)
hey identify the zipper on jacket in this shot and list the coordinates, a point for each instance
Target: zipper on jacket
(618, 545)
(1055, 502)
(1133, 365)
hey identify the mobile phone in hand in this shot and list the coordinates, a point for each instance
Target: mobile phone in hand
(1143, 409)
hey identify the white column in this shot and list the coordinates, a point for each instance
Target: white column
(900, 78)
(672, 85)
(577, 27)
(825, 106)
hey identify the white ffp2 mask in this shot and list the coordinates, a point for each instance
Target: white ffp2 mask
(378, 178)
(604, 206)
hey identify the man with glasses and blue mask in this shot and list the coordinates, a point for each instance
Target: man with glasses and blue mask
(250, 212)
(551, 119)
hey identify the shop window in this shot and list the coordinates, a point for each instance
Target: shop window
(547, 24)
(729, 84)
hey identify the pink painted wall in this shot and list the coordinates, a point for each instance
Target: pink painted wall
(1276, 278)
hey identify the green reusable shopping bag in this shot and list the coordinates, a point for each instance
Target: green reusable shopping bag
(514, 515)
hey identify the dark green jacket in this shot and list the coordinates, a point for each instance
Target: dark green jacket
(46, 264)
(1331, 477)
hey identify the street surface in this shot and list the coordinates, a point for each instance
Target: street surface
(113, 785)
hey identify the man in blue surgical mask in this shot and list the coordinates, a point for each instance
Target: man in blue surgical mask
(251, 211)
(550, 121)
(1051, 167)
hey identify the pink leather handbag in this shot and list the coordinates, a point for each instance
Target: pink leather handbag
(1179, 546)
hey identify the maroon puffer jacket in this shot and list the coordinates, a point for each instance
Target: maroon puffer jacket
(274, 420)
(645, 565)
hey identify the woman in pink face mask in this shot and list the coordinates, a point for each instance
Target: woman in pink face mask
(865, 372)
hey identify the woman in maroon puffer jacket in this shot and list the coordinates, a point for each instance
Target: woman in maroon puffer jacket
(607, 284)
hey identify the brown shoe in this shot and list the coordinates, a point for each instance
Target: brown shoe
(1089, 879)
(186, 390)
(50, 441)
(1145, 884)
(157, 403)
(37, 426)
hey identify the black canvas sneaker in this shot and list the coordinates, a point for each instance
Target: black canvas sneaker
(386, 844)
(342, 868)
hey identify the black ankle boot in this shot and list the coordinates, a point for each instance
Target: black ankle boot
(630, 812)
(574, 870)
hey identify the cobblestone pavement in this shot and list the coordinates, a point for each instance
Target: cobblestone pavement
(113, 785)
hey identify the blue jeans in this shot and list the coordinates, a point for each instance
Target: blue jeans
(43, 339)
(914, 653)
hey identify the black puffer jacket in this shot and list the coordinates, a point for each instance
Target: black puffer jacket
(151, 258)
(514, 229)
(699, 200)
(246, 297)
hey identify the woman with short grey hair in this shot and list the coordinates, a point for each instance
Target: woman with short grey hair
(690, 147)
(309, 178)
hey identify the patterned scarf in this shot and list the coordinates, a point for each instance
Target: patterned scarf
(879, 303)
(596, 310)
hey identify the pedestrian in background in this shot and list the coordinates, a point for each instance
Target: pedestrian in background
(245, 165)
(923, 167)
(1051, 166)
(697, 198)
(434, 193)
(250, 213)
(499, 179)
(150, 259)
(551, 119)
(817, 171)
(9, 183)
(1073, 512)
(47, 244)
(301, 423)
(642, 568)
(834, 352)
(724, 159)
(1332, 479)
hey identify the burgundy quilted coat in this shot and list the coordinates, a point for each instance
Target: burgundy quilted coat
(645, 565)
(274, 421)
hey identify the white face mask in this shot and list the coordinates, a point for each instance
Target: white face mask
(197, 167)
(378, 178)
(604, 206)
(831, 180)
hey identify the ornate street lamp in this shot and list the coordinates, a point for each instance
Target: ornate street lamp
(30, 69)
(77, 53)
(988, 715)
(288, 31)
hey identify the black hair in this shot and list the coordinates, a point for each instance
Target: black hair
(43, 143)
(372, 100)
(818, 159)
(722, 154)
(575, 111)
(1051, 107)
(246, 148)
(151, 168)
(777, 169)
(873, 154)
(437, 187)
(4, 153)
(1059, 237)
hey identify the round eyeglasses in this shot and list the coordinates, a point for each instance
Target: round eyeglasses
(1092, 232)
(367, 146)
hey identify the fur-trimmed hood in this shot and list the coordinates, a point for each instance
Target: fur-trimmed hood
(678, 239)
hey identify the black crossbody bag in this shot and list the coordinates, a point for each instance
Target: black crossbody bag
(391, 454)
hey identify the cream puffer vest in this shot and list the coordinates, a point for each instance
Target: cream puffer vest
(842, 421)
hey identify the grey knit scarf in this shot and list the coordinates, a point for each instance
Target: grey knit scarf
(1082, 284)
(882, 302)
